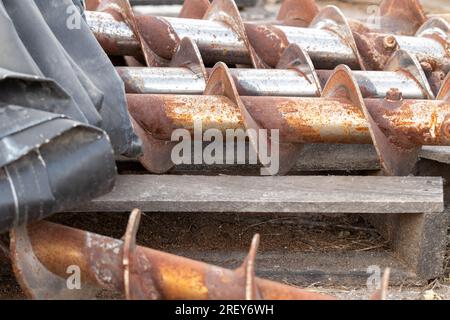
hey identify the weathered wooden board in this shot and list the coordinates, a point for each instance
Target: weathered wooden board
(436, 153)
(294, 194)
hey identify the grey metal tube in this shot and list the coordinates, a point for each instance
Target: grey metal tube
(378, 83)
(219, 42)
(216, 41)
(251, 82)
(264, 82)
(325, 48)
(273, 82)
(375, 84)
(422, 47)
(161, 80)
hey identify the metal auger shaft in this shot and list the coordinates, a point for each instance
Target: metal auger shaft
(43, 252)
(295, 76)
(321, 50)
(115, 36)
(263, 82)
(222, 36)
(430, 45)
(397, 127)
(216, 40)
(327, 48)
(119, 31)
(299, 120)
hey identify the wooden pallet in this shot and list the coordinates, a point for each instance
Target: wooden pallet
(408, 211)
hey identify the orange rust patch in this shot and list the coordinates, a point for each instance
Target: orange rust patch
(215, 112)
(324, 121)
(181, 282)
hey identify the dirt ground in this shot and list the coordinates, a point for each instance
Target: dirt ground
(292, 234)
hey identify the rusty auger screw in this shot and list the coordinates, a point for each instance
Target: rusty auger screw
(396, 127)
(222, 36)
(42, 252)
(447, 129)
(295, 76)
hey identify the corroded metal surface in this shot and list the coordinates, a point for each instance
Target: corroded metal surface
(444, 93)
(329, 38)
(92, 4)
(114, 36)
(194, 9)
(137, 272)
(394, 125)
(295, 76)
(297, 13)
(404, 15)
(220, 35)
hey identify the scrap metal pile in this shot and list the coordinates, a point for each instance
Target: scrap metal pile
(394, 98)
(312, 74)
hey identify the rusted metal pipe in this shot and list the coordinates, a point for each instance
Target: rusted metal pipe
(113, 32)
(430, 45)
(43, 252)
(368, 50)
(397, 127)
(295, 76)
(115, 36)
(92, 4)
(268, 82)
(402, 17)
(220, 34)
(329, 40)
(227, 42)
(299, 120)
(194, 9)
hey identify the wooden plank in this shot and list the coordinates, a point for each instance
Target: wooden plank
(436, 153)
(294, 194)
